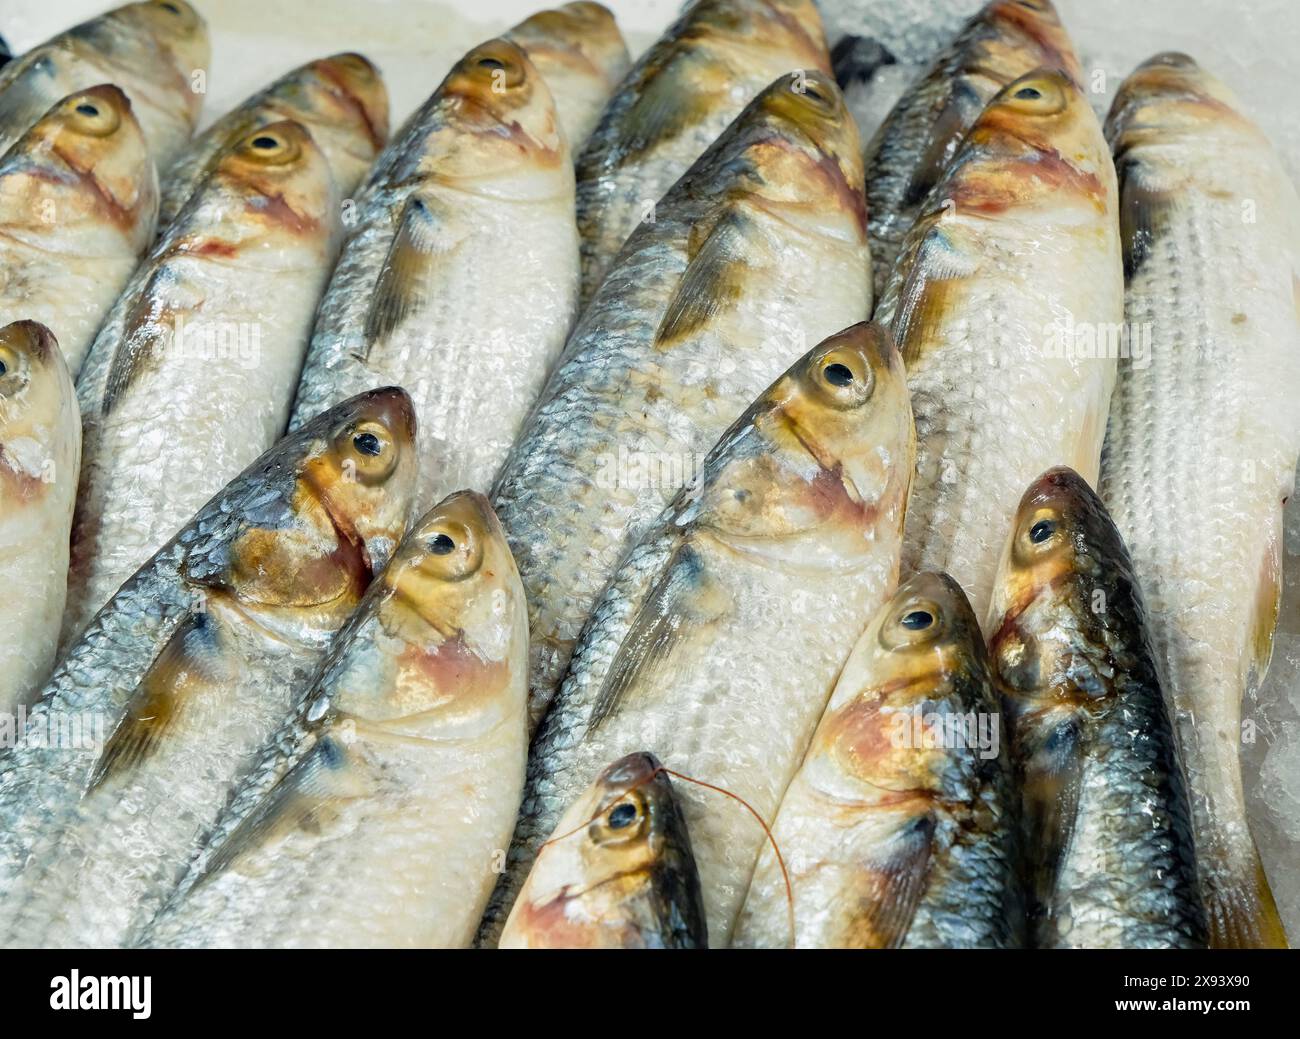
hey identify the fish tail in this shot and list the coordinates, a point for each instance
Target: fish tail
(1242, 913)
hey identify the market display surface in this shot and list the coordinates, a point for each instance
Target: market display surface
(783, 474)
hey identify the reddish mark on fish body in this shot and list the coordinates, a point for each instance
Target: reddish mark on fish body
(275, 209)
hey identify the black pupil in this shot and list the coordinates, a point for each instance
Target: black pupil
(1041, 531)
(4, 368)
(622, 816)
(917, 620)
(367, 444)
(839, 374)
(86, 109)
(442, 545)
(1029, 93)
(264, 142)
(491, 63)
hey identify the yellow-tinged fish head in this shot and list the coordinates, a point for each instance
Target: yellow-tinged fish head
(1066, 598)
(1029, 28)
(89, 157)
(283, 180)
(346, 93)
(178, 27)
(1037, 143)
(732, 27)
(37, 407)
(1164, 96)
(582, 36)
(805, 154)
(829, 459)
(348, 480)
(920, 664)
(452, 603)
(617, 873)
(497, 118)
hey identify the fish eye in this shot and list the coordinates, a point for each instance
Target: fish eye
(271, 147)
(265, 143)
(623, 822)
(454, 550)
(442, 545)
(92, 118)
(10, 371)
(1042, 94)
(844, 378)
(367, 451)
(1029, 93)
(1041, 531)
(86, 108)
(622, 816)
(917, 620)
(491, 63)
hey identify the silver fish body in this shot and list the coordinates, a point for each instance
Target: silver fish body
(459, 280)
(191, 376)
(1203, 438)
(40, 448)
(757, 253)
(342, 836)
(1006, 303)
(151, 717)
(787, 545)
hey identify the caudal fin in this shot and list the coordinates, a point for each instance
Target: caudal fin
(1242, 913)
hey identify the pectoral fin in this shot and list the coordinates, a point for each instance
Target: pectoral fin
(305, 800)
(683, 599)
(934, 270)
(1050, 783)
(146, 330)
(711, 282)
(189, 664)
(404, 288)
(1145, 209)
(891, 888)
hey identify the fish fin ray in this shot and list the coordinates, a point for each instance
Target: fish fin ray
(402, 289)
(894, 886)
(710, 283)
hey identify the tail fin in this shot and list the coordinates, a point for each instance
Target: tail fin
(1242, 913)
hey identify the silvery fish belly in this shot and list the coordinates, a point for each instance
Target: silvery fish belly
(1204, 433)
(460, 279)
(382, 810)
(1006, 303)
(1108, 858)
(151, 718)
(718, 640)
(758, 253)
(913, 31)
(191, 376)
(581, 55)
(915, 145)
(898, 830)
(156, 51)
(340, 100)
(617, 873)
(40, 447)
(78, 206)
(679, 96)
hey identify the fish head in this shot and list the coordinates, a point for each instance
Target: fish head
(452, 607)
(282, 182)
(497, 125)
(804, 155)
(94, 161)
(1065, 595)
(1037, 144)
(582, 36)
(1168, 95)
(1030, 28)
(618, 871)
(179, 28)
(824, 458)
(789, 31)
(34, 382)
(918, 669)
(346, 93)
